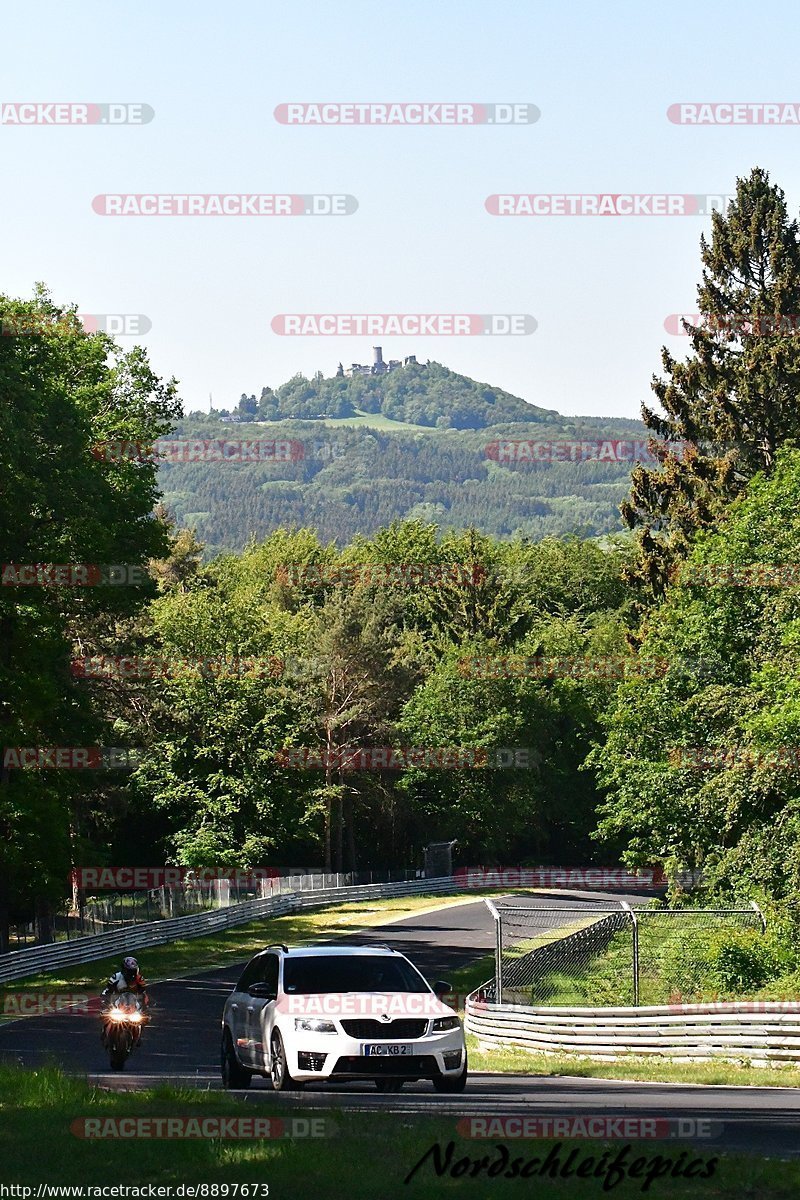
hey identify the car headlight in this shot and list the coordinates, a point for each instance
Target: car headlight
(442, 1023)
(314, 1025)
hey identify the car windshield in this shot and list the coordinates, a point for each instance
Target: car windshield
(350, 973)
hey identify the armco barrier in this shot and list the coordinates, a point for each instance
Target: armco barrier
(761, 1032)
(35, 960)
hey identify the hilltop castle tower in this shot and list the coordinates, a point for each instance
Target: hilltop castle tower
(379, 366)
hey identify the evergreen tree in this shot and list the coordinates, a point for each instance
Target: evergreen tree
(734, 400)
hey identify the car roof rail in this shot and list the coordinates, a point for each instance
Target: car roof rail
(279, 946)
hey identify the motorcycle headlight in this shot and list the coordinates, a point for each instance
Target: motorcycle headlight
(123, 1014)
(314, 1025)
(442, 1023)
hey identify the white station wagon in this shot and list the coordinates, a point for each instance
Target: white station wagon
(318, 1013)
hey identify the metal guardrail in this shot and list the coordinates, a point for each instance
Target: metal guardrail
(762, 1032)
(36, 960)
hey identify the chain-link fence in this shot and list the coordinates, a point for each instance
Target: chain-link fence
(680, 952)
(599, 954)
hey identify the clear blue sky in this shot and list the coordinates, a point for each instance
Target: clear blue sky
(602, 75)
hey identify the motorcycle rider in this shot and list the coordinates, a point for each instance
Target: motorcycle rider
(127, 979)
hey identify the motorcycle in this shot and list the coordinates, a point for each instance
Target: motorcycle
(123, 1020)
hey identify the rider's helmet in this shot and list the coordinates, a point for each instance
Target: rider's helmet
(130, 969)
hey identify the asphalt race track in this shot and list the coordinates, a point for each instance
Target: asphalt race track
(181, 1046)
(183, 1038)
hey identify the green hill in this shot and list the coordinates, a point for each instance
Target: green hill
(357, 453)
(427, 395)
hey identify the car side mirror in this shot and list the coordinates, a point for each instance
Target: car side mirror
(261, 991)
(442, 987)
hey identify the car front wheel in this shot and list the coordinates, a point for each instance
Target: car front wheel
(282, 1081)
(234, 1075)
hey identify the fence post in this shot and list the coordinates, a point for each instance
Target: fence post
(498, 952)
(635, 931)
(761, 915)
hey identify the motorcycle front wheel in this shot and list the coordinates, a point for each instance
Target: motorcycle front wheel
(118, 1051)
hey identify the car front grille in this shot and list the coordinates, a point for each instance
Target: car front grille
(385, 1031)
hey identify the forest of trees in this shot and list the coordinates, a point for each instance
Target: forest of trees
(418, 633)
(344, 481)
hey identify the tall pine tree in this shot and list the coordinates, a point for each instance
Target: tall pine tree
(736, 397)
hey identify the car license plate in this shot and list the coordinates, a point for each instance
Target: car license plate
(385, 1050)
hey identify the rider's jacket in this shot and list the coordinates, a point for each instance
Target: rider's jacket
(118, 983)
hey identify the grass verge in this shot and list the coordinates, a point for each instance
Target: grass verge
(364, 1155)
(516, 1060)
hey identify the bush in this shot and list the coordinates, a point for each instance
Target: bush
(675, 966)
(743, 962)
